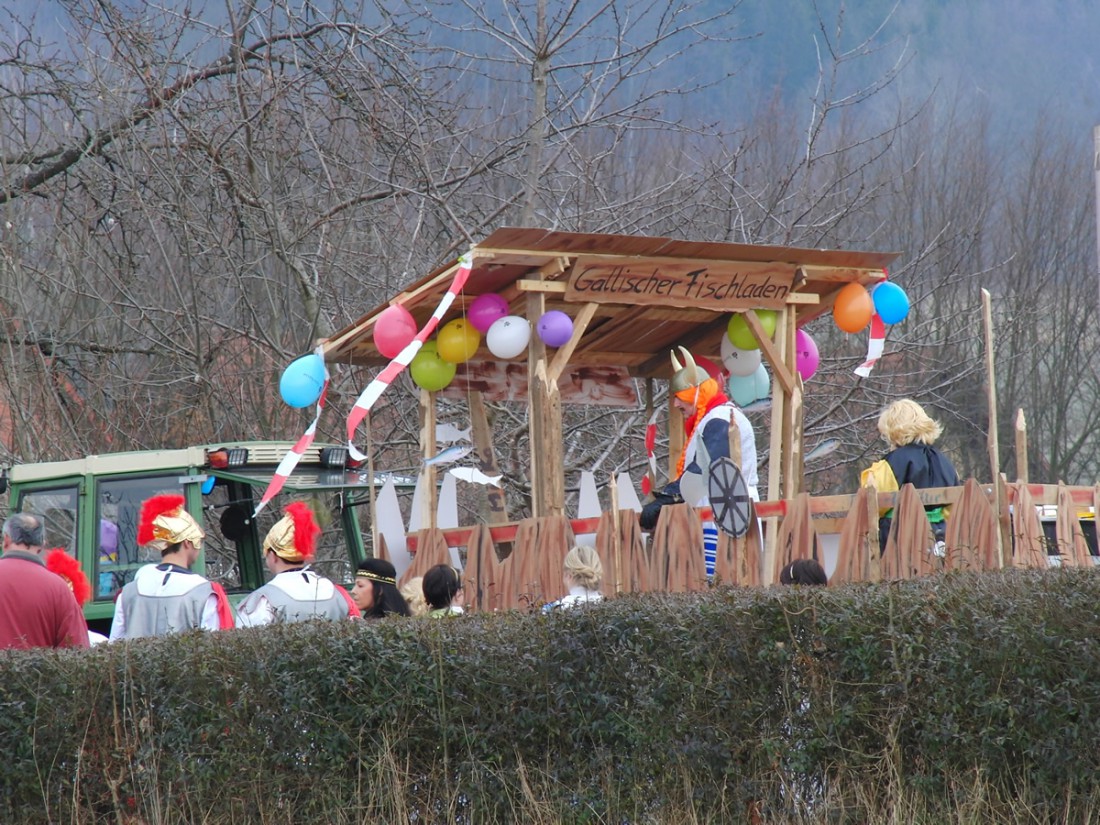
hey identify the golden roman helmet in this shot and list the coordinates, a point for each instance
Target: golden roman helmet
(164, 521)
(686, 376)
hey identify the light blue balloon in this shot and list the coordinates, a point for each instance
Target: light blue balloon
(742, 389)
(891, 302)
(762, 383)
(302, 381)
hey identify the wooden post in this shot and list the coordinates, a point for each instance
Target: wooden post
(372, 493)
(544, 413)
(616, 533)
(994, 446)
(990, 377)
(777, 485)
(487, 458)
(429, 499)
(1021, 447)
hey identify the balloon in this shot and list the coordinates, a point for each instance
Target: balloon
(429, 371)
(806, 356)
(891, 302)
(762, 383)
(739, 333)
(457, 341)
(508, 336)
(393, 330)
(742, 389)
(303, 380)
(739, 361)
(486, 309)
(853, 308)
(555, 328)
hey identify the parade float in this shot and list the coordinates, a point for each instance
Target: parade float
(548, 318)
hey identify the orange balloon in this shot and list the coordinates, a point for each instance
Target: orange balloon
(853, 308)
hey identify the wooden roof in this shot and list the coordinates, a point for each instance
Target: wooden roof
(632, 331)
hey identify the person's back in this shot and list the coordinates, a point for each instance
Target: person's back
(294, 593)
(168, 597)
(37, 609)
(163, 599)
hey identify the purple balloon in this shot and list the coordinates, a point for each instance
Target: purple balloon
(807, 358)
(486, 309)
(555, 328)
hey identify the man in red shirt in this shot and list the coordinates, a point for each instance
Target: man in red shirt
(37, 608)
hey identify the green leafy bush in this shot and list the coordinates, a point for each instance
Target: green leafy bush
(642, 708)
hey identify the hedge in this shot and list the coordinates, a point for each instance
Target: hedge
(718, 706)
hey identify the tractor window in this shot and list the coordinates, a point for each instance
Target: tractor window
(58, 509)
(118, 509)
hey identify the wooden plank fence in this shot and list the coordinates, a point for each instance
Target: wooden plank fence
(519, 564)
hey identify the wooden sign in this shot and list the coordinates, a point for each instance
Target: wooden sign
(717, 285)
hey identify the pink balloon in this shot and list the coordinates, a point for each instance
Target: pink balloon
(394, 330)
(486, 309)
(555, 328)
(807, 358)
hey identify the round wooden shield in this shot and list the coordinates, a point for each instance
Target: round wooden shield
(729, 497)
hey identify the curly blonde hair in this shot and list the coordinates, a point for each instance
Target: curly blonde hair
(413, 591)
(584, 568)
(906, 422)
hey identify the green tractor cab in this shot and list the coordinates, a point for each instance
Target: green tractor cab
(91, 507)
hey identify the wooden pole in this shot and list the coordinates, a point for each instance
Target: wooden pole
(991, 389)
(429, 499)
(1021, 447)
(616, 533)
(994, 448)
(487, 458)
(372, 494)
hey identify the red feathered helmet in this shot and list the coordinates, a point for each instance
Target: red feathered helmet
(293, 538)
(165, 521)
(68, 568)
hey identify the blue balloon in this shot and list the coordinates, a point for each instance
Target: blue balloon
(891, 302)
(761, 383)
(303, 381)
(742, 389)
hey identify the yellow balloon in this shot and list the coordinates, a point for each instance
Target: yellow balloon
(457, 341)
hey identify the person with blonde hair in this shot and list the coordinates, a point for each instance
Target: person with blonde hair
(413, 592)
(912, 459)
(582, 576)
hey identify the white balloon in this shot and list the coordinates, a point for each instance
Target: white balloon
(508, 336)
(739, 361)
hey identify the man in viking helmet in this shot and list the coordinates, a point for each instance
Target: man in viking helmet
(295, 593)
(168, 597)
(707, 415)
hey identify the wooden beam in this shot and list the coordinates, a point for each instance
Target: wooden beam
(562, 356)
(429, 491)
(1021, 447)
(557, 287)
(487, 458)
(805, 298)
(773, 355)
(991, 390)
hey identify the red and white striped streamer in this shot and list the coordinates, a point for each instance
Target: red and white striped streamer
(381, 383)
(650, 477)
(876, 343)
(291, 459)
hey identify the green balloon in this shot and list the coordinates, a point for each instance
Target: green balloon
(739, 333)
(429, 371)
